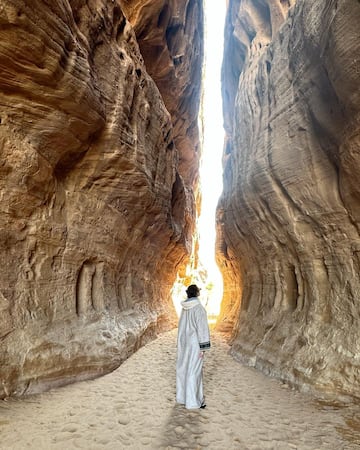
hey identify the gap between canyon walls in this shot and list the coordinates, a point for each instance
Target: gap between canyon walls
(288, 220)
(98, 180)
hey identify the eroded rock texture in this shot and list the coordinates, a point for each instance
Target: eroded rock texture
(95, 217)
(289, 215)
(170, 36)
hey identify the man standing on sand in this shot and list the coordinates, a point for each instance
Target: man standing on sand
(193, 340)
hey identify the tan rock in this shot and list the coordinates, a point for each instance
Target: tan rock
(95, 218)
(170, 36)
(288, 218)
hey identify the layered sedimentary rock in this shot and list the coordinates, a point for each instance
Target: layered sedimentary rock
(170, 36)
(289, 216)
(95, 217)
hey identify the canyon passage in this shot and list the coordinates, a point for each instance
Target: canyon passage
(99, 186)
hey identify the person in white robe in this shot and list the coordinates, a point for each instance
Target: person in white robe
(193, 340)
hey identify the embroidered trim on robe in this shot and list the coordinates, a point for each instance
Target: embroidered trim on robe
(204, 345)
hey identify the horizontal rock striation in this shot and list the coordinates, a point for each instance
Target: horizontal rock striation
(289, 215)
(95, 218)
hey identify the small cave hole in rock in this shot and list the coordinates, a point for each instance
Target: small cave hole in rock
(202, 268)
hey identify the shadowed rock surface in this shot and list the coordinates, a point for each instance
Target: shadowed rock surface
(289, 216)
(170, 36)
(95, 217)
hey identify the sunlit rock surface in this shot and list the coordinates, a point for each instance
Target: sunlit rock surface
(289, 216)
(95, 216)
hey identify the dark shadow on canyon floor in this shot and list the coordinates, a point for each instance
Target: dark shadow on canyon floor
(183, 428)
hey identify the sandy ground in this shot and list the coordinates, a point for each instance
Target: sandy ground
(133, 408)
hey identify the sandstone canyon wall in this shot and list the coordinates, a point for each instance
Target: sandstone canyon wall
(97, 213)
(170, 37)
(289, 215)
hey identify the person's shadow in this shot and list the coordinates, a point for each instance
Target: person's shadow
(183, 429)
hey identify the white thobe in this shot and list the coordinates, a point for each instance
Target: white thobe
(193, 337)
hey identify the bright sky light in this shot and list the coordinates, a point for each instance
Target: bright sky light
(211, 166)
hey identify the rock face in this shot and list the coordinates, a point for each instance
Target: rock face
(289, 216)
(170, 36)
(95, 216)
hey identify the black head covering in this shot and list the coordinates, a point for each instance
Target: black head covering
(192, 291)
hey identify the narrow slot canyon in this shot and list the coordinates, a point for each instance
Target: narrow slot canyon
(103, 139)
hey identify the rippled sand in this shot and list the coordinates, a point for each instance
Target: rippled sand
(133, 408)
